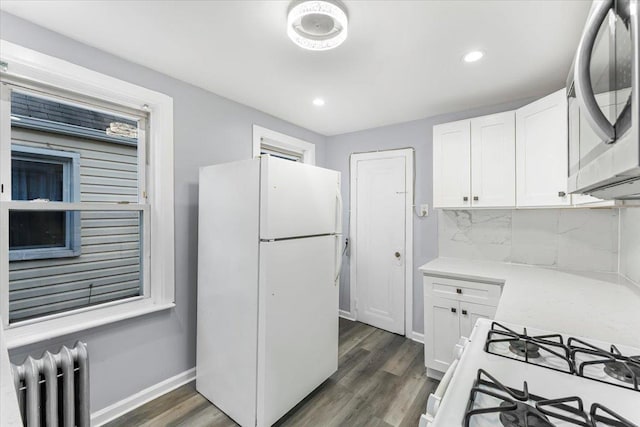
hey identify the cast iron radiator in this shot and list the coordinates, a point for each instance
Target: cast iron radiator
(54, 390)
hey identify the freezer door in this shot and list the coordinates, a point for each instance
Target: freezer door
(298, 199)
(298, 322)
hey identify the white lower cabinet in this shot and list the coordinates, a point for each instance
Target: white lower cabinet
(451, 310)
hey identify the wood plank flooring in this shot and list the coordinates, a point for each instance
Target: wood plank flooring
(381, 381)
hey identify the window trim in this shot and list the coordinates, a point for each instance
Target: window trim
(24, 64)
(275, 140)
(71, 193)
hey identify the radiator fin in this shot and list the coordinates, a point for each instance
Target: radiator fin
(61, 382)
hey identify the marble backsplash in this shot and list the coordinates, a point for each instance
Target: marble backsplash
(575, 239)
(630, 243)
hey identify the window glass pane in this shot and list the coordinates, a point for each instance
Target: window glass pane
(106, 144)
(36, 180)
(29, 106)
(108, 269)
(30, 230)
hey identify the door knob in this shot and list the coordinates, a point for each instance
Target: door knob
(397, 255)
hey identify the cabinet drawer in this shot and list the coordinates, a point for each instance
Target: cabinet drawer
(463, 290)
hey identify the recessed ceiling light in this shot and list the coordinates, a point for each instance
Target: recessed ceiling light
(318, 102)
(473, 56)
(316, 24)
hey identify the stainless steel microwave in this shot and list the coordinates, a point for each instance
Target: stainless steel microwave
(603, 107)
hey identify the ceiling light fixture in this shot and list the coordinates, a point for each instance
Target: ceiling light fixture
(317, 25)
(318, 102)
(473, 56)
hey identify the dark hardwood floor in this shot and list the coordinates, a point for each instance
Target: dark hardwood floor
(380, 381)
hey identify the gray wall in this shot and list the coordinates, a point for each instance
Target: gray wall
(417, 134)
(128, 356)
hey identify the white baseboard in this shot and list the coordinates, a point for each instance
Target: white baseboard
(346, 315)
(120, 408)
(417, 337)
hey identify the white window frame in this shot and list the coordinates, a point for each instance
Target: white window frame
(276, 141)
(70, 162)
(156, 189)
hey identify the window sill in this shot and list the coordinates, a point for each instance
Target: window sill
(21, 335)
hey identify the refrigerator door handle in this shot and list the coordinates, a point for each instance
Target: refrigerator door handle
(339, 211)
(338, 259)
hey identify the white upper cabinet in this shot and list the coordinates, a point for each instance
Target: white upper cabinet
(542, 152)
(452, 165)
(493, 160)
(474, 162)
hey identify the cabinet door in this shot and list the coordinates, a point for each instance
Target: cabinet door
(493, 160)
(442, 332)
(542, 152)
(452, 165)
(470, 313)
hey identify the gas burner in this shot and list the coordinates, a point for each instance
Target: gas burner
(622, 371)
(523, 416)
(548, 351)
(524, 349)
(610, 367)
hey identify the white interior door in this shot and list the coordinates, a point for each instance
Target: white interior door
(378, 233)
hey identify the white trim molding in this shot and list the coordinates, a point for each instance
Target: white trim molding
(30, 69)
(276, 140)
(346, 315)
(408, 154)
(417, 337)
(130, 403)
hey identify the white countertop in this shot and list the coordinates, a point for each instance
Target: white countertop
(604, 306)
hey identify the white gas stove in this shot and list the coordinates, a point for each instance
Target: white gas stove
(506, 374)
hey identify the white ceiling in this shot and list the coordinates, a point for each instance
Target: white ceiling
(402, 60)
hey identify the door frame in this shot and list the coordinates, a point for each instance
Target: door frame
(409, 155)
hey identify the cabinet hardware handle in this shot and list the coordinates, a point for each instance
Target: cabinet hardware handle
(465, 199)
(561, 194)
(458, 291)
(464, 312)
(397, 254)
(476, 198)
(453, 310)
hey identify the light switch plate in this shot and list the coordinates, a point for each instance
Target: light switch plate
(424, 210)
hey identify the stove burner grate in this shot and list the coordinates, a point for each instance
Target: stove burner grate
(516, 408)
(533, 349)
(625, 369)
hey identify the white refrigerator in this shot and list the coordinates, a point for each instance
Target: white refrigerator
(268, 260)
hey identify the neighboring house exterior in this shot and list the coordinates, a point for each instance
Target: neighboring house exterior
(89, 257)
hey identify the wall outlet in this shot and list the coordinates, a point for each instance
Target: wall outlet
(424, 210)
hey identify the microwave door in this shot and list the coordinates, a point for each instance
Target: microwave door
(595, 72)
(623, 71)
